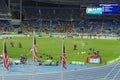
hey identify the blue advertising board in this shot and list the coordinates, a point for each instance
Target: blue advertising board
(103, 9)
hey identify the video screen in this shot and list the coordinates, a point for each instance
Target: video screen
(94, 10)
(109, 8)
(103, 9)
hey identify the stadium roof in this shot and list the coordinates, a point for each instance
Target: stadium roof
(78, 2)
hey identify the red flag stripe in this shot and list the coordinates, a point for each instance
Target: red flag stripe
(34, 48)
(64, 61)
(64, 57)
(35, 53)
(5, 58)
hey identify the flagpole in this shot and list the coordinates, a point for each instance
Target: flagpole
(33, 57)
(62, 60)
(2, 73)
(33, 71)
(3, 63)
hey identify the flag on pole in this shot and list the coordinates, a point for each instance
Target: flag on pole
(34, 48)
(64, 57)
(5, 57)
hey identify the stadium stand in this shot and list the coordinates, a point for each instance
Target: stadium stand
(3, 7)
(73, 18)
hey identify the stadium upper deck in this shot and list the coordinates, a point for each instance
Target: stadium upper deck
(63, 13)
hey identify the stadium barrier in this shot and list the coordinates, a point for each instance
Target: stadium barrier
(78, 62)
(11, 35)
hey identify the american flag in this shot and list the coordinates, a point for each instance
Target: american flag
(5, 57)
(34, 48)
(64, 57)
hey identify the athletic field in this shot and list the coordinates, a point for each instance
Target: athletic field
(109, 49)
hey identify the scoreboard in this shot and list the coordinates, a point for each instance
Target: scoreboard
(109, 8)
(103, 9)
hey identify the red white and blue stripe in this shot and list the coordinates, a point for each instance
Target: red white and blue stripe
(5, 57)
(64, 56)
(34, 48)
